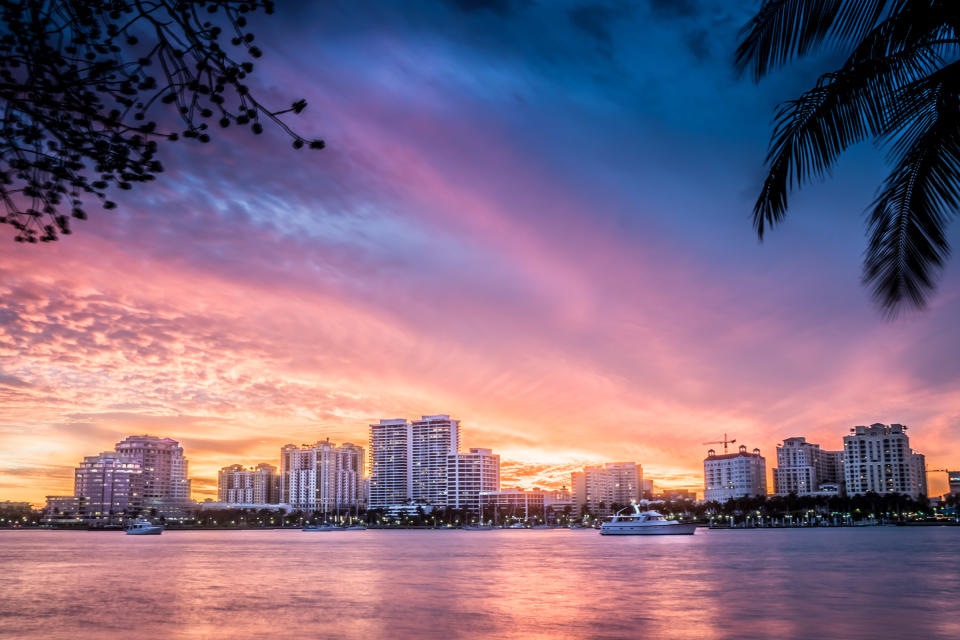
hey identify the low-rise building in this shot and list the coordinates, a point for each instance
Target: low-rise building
(953, 480)
(559, 505)
(516, 503)
(214, 506)
(677, 494)
(63, 511)
(646, 489)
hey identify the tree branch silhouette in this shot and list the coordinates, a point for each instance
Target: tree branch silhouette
(90, 89)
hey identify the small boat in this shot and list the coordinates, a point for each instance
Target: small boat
(644, 523)
(321, 527)
(143, 527)
(356, 527)
(479, 527)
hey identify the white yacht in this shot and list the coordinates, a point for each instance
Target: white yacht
(143, 527)
(644, 523)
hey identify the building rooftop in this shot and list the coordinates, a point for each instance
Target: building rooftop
(742, 453)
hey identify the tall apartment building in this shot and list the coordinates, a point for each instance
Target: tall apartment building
(734, 475)
(804, 468)
(408, 460)
(433, 439)
(878, 458)
(469, 474)
(597, 489)
(109, 486)
(257, 485)
(165, 481)
(322, 477)
(390, 459)
(351, 484)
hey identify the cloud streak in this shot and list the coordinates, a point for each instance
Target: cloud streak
(548, 240)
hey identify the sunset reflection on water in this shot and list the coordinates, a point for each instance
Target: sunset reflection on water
(883, 582)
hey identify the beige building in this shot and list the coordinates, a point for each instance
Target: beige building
(322, 477)
(166, 486)
(879, 459)
(256, 485)
(734, 475)
(803, 468)
(599, 489)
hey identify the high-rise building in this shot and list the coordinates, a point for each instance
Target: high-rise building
(351, 485)
(627, 479)
(599, 489)
(258, 485)
(390, 458)
(109, 486)
(287, 453)
(734, 475)
(165, 482)
(433, 439)
(803, 468)
(322, 477)
(469, 474)
(878, 459)
(408, 460)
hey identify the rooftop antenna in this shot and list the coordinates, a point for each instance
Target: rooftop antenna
(724, 442)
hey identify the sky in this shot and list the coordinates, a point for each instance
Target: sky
(533, 216)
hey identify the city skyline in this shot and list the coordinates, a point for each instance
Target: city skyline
(544, 229)
(565, 478)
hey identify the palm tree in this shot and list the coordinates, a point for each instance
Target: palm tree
(899, 86)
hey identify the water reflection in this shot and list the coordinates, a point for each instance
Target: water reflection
(864, 583)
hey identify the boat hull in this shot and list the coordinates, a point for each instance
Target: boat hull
(627, 529)
(145, 531)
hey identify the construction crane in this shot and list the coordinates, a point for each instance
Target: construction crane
(724, 442)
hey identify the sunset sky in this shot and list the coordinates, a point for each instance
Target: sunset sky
(533, 216)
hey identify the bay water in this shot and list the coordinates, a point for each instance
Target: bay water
(874, 582)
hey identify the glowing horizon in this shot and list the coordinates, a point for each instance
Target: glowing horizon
(542, 232)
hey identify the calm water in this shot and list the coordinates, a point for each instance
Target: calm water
(881, 582)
